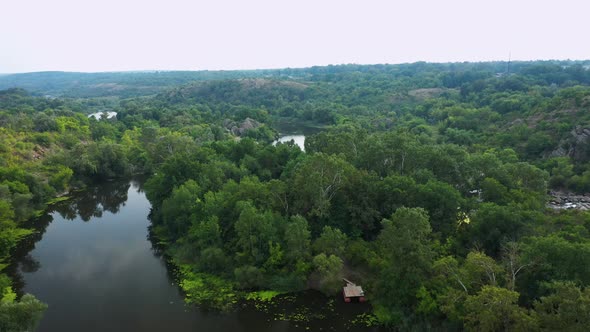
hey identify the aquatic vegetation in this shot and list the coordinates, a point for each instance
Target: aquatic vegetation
(56, 200)
(262, 300)
(207, 290)
(365, 319)
(264, 296)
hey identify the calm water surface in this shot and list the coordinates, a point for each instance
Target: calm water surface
(297, 139)
(92, 262)
(295, 131)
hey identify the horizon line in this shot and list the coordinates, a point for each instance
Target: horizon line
(282, 68)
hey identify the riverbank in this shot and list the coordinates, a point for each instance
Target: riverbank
(302, 310)
(305, 310)
(293, 126)
(94, 261)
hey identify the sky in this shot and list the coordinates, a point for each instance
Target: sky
(122, 35)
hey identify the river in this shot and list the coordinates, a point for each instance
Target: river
(295, 131)
(299, 140)
(93, 263)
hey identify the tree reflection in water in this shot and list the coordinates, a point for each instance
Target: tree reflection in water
(92, 202)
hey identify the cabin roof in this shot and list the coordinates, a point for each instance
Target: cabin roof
(352, 290)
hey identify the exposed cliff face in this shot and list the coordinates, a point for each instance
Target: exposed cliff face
(238, 129)
(576, 146)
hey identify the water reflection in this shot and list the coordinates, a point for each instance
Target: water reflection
(29, 265)
(92, 261)
(85, 257)
(95, 201)
(91, 203)
(22, 261)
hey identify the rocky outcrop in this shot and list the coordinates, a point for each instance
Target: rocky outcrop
(575, 146)
(568, 201)
(581, 135)
(238, 129)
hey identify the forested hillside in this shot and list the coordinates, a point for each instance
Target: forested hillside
(120, 84)
(428, 183)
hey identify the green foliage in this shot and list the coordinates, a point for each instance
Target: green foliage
(493, 224)
(406, 259)
(482, 269)
(8, 295)
(493, 191)
(426, 303)
(329, 269)
(366, 320)
(317, 180)
(60, 179)
(101, 160)
(455, 159)
(255, 231)
(496, 309)
(10, 235)
(178, 210)
(442, 202)
(559, 259)
(207, 290)
(567, 308)
(22, 315)
(298, 239)
(249, 277)
(203, 234)
(264, 296)
(213, 260)
(331, 242)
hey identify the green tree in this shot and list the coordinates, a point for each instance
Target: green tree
(567, 308)
(61, 178)
(454, 274)
(298, 239)
(331, 242)
(23, 315)
(496, 309)
(213, 260)
(492, 225)
(178, 210)
(329, 269)
(493, 191)
(514, 262)
(249, 277)
(206, 233)
(255, 231)
(404, 246)
(483, 270)
(442, 202)
(317, 180)
(559, 259)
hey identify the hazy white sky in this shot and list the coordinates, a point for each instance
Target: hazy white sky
(108, 35)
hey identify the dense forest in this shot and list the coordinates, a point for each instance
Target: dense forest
(428, 183)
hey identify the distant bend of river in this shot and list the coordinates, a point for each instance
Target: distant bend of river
(296, 132)
(93, 263)
(299, 140)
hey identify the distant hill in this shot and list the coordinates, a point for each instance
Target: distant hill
(143, 83)
(121, 84)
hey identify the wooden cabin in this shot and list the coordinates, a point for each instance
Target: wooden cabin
(353, 291)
